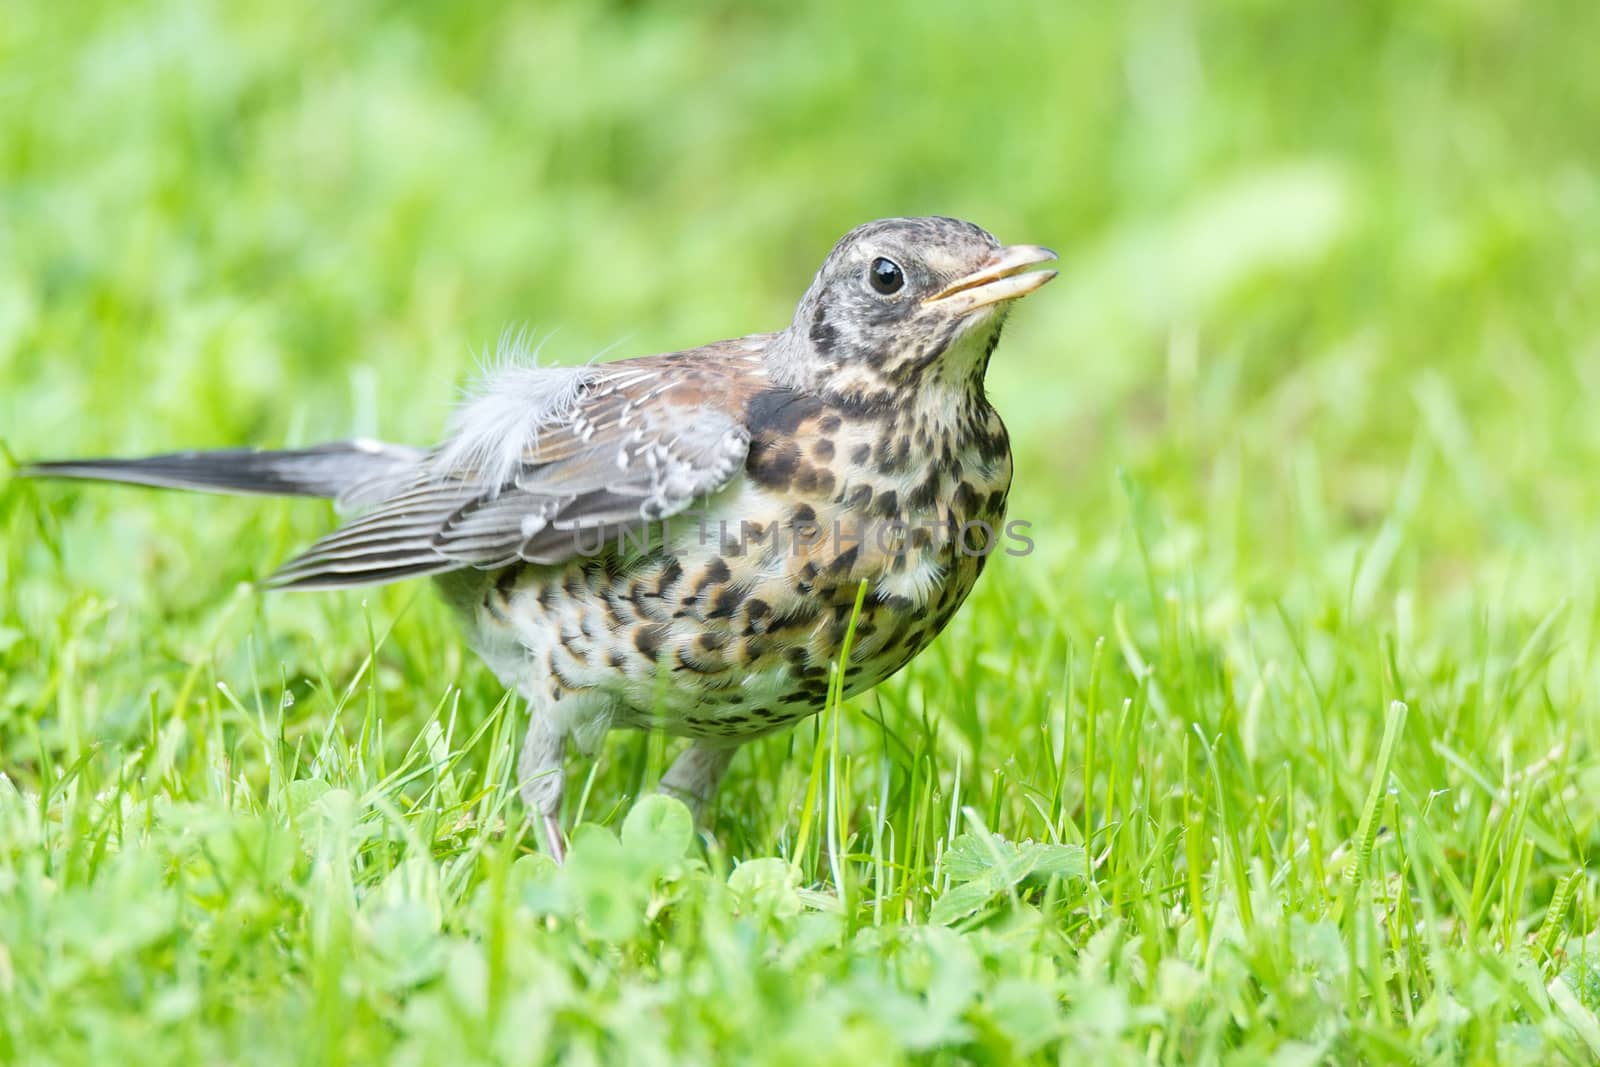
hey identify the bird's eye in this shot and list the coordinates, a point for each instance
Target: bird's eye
(886, 276)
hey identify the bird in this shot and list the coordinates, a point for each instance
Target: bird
(684, 541)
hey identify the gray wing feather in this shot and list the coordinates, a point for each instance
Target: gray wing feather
(615, 464)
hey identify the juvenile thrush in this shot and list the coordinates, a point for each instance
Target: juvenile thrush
(678, 541)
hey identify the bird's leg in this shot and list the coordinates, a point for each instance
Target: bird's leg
(694, 775)
(542, 779)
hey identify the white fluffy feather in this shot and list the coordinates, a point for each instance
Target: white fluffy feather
(504, 411)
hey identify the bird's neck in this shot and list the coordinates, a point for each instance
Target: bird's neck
(922, 374)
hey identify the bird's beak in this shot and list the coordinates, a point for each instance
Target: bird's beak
(998, 280)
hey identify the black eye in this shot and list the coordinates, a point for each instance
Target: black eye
(886, 276)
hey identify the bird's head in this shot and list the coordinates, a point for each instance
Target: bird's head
(902, 302)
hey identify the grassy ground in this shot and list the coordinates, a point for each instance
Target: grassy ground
(1281, 748)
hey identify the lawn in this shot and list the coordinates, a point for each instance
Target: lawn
(1282, 747)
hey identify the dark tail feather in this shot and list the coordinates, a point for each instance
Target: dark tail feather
(354, 473)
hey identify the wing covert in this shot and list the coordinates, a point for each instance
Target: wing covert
(636, 445)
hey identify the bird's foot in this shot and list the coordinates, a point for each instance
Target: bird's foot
(554, 840)
(694, 776)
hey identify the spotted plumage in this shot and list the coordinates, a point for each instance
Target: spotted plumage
(678, 542)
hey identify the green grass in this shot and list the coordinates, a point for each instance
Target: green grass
(1283, 747)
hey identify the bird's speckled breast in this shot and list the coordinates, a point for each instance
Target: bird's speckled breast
(726, 624)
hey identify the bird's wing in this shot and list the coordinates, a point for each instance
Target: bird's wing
(597, 451)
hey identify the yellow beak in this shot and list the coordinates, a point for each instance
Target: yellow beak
(1001, 278)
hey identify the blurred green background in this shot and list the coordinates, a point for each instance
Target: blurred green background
(1309, 419)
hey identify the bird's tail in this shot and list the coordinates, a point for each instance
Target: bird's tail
(354, 473)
